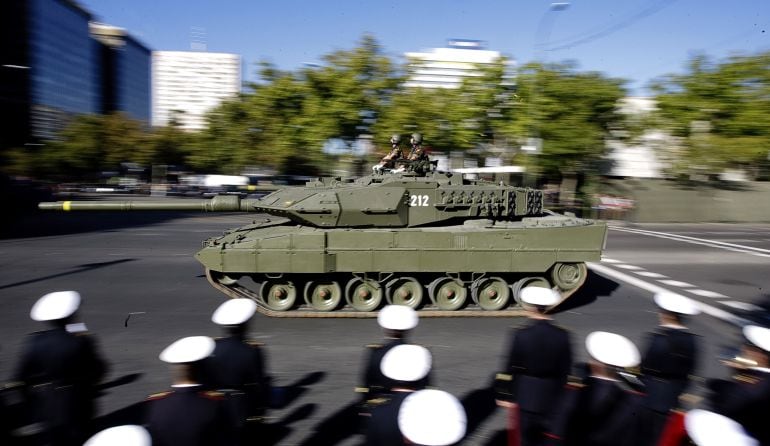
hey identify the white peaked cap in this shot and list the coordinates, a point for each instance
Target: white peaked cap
(711, 429)
(189, 349)
(432, 418)
(676, 303)
(406, 362)
(128, 435)
(758, 336)
(612, 349)
(54, 306)
(234, 312)
(535, 295)
(397, 317)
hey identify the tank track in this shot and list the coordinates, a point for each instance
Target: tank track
(235, 290)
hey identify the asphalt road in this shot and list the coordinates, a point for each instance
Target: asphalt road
(142, 265)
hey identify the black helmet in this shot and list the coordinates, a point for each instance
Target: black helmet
(416, 138)
(395, 139)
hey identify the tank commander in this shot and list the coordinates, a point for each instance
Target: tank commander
(237, 367)
(668, 361)
(395, 154)
(418, 157)
(536, 368)
(60, 369)
(189, 414)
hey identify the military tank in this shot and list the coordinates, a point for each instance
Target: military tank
(435, 241)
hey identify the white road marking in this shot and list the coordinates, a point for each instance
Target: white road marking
(630, 267)
(707, 293)
(652, 275)
(740, 305)
(651, 287)
(611, 261)
(677, 283)
(759, 252)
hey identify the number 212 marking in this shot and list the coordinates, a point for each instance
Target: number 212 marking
(418, 200)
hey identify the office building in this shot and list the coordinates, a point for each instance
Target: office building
(447, 67)
(188, 84)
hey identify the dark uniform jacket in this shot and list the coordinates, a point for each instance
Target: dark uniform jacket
(374, 382)
(539, 359)
(668, 362)
(189, 416)
(60, 371)
(745, 399)
(383, 425)
(238, 364)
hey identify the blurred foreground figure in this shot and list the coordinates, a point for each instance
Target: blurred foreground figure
(237, 367)
(406, 366)
(668, 361)
(706, 428)
(59, 370)
(395, 154)
(127, 435)
(601, 411)
(432, 418)
(188, 414)
(746, 397)
(536, 369)
(396, 321)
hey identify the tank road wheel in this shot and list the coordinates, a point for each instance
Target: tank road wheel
(278, 295)
(323, 295)
(525, 282)
(492, 293)
(448, 294)
(567, 276)
(404, 291)
(363, 294)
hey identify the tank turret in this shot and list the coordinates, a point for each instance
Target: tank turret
(434, 241)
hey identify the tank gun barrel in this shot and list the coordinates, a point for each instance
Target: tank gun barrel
(219, 203)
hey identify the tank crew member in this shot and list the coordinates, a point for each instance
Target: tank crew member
(237, 367)
(536, 369)
(128, 435)
(746, 397)
(601, 411)
(396, 321)
(406, 366)
(188, 414)
(60, 369)
(395, 154)
(417, 155)
(668, 361)
(432, 418)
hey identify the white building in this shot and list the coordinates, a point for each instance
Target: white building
(640, 159)
(446, 67)
(192, 82)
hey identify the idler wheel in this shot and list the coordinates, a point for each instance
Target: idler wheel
(567, 276)
(323, 295)
(491, 293)
(525, 282)
(448, 294)
(363, 294)
(278, 295)
(404, 291)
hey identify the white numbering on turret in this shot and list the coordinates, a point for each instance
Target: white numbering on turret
(418, 200)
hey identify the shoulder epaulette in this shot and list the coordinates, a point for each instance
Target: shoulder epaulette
(575, 386)
(213, 395)
(374, 346)
(159, 395)
(254, 343)
(748, 379)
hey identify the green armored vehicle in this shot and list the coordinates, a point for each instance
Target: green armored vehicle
(434, 241)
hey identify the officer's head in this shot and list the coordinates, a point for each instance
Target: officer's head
(406, 366)
(234, 315)
(610, 351)
(186, 356)
(674, 308)
(397, 320)
(756, 349)
(416, 139)
(395, 139)
(57, 308)
(539, 299)
(432, 417)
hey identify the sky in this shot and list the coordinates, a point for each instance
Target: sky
(636, 40)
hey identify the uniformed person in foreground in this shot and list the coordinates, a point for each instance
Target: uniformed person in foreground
(396, 321)
(432, 418)
(389, 161)
(537, 366)
(706, 428)
(189, 414)
(406, 366)
(745, 398)
(60, 369)
(601, 411)
(126, 435)
(668, 361)
(237, 367)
